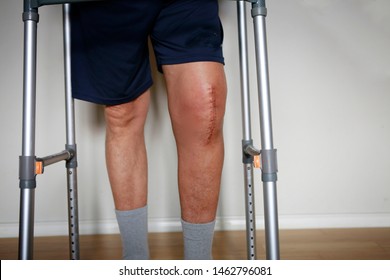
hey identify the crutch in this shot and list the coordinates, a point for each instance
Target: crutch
(267, 153)
(29, 164)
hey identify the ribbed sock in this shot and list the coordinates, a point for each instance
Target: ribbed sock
(198, 240)
(133, 227)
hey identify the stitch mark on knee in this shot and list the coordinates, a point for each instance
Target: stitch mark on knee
(213, 115)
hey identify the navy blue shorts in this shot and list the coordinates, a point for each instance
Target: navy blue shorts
(110, 56)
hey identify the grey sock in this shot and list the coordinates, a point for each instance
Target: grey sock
(198, 240)
(133, 226)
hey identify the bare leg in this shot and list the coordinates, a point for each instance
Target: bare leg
(196, 98)
(127, 170)
(126, 152)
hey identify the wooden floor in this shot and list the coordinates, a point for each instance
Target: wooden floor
(321, 244)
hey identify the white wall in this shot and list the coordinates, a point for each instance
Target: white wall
(330, 87)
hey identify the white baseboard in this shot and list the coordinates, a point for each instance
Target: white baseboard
(223, 223)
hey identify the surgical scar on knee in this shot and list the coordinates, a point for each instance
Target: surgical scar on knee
(212, 117)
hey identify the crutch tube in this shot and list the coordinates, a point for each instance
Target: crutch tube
(71, 166)
(269, 161)
(247, 134)
(27, 181)
(26, 224)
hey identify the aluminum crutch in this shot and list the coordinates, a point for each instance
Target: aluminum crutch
(268, 153)
(29, 164)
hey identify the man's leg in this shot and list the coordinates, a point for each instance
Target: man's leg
(127, 170)
(196, 99)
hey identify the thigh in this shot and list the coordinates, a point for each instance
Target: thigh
(110, 59)
(188, 31)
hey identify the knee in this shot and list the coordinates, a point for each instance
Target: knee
(202, 113)
(126, 117)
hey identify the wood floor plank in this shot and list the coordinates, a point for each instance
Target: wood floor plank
(313, 244)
